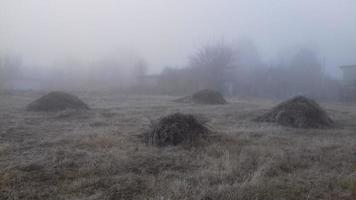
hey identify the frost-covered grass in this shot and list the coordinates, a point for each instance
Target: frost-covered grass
(98, 154)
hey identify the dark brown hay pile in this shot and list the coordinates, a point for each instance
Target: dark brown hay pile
(298, 112)
(57, 101)
(176, 129)
(204, 97)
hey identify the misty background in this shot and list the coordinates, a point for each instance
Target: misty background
(267, 48)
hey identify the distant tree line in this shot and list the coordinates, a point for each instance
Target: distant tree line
(235, 70)
(240, 71)
(117, 73)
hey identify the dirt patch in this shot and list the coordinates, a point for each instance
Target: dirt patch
(176, 129)
(57, 101)
(204, 97)
(298, 112)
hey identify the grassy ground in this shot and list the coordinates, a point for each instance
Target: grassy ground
(98, 154)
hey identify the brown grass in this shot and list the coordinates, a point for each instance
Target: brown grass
(98, 154)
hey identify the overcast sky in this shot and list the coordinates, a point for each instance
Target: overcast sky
(165, 32)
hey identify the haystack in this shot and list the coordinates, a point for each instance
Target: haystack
(298, 112)
(204, 97)
(57, 101)
(176, 129)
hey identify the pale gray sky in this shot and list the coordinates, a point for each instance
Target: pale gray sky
(165, 32)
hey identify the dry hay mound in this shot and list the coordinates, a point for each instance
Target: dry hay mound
(204, 97)
(57, 101)
(176, 129)
(298, 112)
(208, 97)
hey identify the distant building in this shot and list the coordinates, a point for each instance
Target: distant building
(349, 81)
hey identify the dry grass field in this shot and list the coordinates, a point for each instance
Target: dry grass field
(98, 154)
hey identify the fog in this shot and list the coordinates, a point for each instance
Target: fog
(78, 35)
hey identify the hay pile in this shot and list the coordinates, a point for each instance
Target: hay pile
(57, 101)
(298, 112)
(176, 129)
(204, 97)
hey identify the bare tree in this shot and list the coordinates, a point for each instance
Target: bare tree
(211, 66)
(298, 73)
